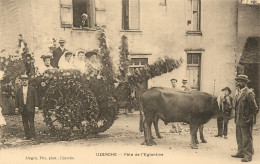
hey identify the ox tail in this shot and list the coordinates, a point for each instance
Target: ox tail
(141, 123)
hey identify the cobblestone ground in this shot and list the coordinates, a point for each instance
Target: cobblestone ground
(122, 143)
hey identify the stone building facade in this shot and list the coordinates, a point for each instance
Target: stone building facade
(202, 32)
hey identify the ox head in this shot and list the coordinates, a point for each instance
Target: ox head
(218, 111)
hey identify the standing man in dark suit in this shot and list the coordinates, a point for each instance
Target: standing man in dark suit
(26, 102)
(245, 111)
(58, 52)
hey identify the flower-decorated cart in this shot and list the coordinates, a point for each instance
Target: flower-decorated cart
(76, 104)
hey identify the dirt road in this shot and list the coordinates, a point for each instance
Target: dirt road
(122, 144)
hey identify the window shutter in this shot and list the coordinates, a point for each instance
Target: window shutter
(100, 12)
(134, 15)
(92, 13)
(66, 13)
(189, 15)
(195, 7)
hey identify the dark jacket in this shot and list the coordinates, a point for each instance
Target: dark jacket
(32, 99)
(227, 105)
(245, 108)
(57, 53)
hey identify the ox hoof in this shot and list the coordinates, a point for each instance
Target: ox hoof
(159, 136)
(203, 141)
(194, 147)
(149, 143)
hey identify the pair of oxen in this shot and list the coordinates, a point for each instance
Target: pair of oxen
(194, 108)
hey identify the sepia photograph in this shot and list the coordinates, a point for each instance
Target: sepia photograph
(129, 81)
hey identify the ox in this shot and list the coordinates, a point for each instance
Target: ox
(194, 108)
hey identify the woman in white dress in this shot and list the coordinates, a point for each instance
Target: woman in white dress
(66, 61)
(79, 61)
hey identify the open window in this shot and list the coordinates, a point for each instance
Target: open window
(78, 13)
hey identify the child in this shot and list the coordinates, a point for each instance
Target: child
(2, 126)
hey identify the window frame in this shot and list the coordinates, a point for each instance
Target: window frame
(192, 31)
(199, 65)
(129, 29)
(93, 16)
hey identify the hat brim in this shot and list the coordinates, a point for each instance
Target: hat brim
(91, 53)
(242, 79)
(45, 57)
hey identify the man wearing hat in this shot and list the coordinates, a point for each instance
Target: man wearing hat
(185, 86)
(225, 103)
(245, 112)
(58, 52)
(26, 102)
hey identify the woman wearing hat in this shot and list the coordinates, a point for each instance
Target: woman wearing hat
(47, 63)
(93, 65)
(66, 61)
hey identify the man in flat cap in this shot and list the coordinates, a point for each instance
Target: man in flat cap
(26, 102)
(58, 52)
(245, 111)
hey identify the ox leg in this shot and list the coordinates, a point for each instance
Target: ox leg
(147, 131)
(201, 134)
(193, 133)
(155, 124)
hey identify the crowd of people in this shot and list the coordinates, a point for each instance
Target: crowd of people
(61, 58)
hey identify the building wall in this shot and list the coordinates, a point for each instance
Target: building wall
(15, 18)
(163, 32)
(248, 25)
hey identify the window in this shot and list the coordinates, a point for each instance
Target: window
(78, 13)
(193, 70)
(130, 14)
(193, 15)
(137, 63)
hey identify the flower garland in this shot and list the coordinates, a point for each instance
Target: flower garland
(161, 66)
(130, 82)
(124, 89)
(124, 60)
